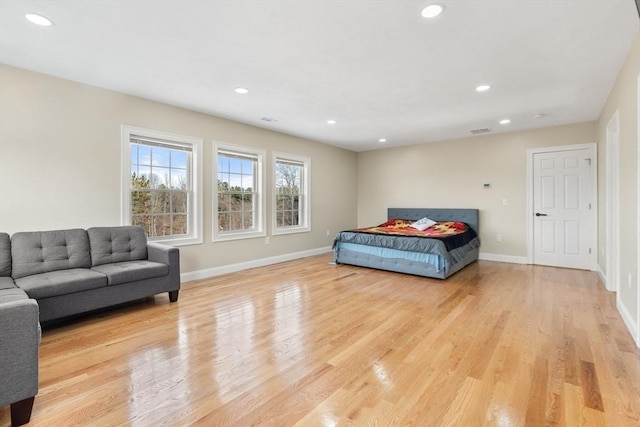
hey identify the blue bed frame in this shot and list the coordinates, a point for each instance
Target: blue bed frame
(470, 216)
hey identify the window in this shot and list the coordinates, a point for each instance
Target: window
(239, 200)
(162, 184)
(291, 194)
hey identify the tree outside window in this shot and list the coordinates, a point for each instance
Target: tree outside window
(291, 193)
(160, 190)
(161, 187)
(238, 198)
(288, 194)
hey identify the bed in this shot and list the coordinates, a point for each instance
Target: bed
(376, 247)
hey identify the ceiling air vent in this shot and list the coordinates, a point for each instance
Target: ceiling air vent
(479, 131)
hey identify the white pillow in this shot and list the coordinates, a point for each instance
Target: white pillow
(423, 223)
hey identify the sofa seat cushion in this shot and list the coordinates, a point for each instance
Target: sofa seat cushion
(12, 294)
(131, 271)
(6, 283)
(61, 282)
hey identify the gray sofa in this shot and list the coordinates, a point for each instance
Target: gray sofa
(19, 339)
(53, 274)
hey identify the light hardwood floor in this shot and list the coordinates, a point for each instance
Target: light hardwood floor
(312, 344)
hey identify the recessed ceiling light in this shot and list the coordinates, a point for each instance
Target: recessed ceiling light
(432, 10)
(331, 122)
(483, 88)
(504, 121)
(382, 140)
(242, 90)
(43, 21)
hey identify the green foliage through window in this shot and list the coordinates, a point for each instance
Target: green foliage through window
(160, 189)
(289, 194)
(237, 195)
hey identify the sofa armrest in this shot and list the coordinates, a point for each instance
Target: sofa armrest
(19, 341)
(164, 254)
(170, 256)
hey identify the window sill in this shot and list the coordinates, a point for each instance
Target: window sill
(238, 236)
(178, 241)
(290, 230)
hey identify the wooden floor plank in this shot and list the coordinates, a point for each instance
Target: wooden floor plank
(307, 343)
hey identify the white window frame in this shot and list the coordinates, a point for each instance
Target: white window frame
(259, 226)
(305, 210)
(195, 201)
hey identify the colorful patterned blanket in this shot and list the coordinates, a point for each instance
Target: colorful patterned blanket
(402, 227)
(452, 233)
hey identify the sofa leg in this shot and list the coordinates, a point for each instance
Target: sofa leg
(173, 296)
(21, 411)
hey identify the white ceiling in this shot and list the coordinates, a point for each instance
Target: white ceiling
(377, 67)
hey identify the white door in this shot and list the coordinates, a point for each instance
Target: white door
(563, 223)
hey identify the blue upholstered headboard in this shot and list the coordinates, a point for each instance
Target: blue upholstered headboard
(470, 216)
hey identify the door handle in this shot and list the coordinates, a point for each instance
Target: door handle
(539, 214)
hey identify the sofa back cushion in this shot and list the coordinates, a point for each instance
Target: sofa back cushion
(36, 252)
(117, 244)
(5, 255)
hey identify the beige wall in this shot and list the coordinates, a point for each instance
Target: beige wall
(624, 99)
(60, 165)
(452, 173)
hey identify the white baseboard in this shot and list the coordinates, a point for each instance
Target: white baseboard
(503, 258)
(629, 322)
(632, 327)
(232, 268)
(602, 276)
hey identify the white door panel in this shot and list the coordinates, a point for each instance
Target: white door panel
(572, 237)
(562, 192)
